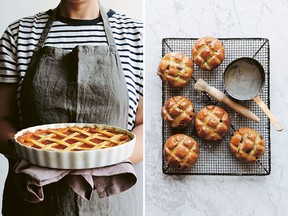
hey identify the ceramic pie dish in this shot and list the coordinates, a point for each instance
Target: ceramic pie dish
(74, 145)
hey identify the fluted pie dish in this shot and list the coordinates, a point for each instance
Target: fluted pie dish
(74, 145)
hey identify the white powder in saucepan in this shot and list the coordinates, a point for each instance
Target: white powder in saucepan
(243, 80)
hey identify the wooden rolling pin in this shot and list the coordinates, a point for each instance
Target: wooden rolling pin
(201, 85)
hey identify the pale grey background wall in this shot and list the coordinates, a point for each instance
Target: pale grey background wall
(14, 9)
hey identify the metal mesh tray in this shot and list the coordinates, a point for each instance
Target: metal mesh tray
(215, 158)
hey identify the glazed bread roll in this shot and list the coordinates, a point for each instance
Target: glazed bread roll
(181, 151)
(247, 145)
(178, 111)
(208, 53)
(175, 69)
(212, 123)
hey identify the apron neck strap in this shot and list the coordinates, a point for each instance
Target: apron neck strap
(47, 28)
(103, 14)
(107, 27)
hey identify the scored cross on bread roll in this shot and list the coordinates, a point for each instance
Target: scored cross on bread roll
(175, 69)
(181, 151)
(208, 53)
(247, 145)
(212, 123)
(178, 111)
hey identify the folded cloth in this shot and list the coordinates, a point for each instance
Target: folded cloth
(109, 180)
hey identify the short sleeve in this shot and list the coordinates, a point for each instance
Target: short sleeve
(8, 62)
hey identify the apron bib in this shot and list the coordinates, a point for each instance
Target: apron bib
(85, 85)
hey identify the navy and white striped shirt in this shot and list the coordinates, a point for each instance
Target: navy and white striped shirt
(20, 38)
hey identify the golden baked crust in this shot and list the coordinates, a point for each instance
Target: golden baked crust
(212, 123)
(181, 151)
(208, 53)
(175, 69)
(178, 111)
(247, 145)
(72, 139)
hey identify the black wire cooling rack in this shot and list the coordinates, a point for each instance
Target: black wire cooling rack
(215, 158)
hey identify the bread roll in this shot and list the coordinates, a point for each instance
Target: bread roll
(247, 145)
(178, 111)
(212, 123)
(208, 53)
(181, 151)
(175, 69)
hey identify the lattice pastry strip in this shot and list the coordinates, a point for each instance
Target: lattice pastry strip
(73, 139)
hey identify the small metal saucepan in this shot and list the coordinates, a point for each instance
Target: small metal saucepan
(244, 79)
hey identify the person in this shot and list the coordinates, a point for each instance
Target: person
(106, 54)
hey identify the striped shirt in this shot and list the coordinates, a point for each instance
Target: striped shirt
(20, 38)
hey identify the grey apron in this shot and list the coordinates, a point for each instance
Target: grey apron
(85, 85)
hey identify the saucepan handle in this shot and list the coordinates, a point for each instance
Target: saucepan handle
(275, 122)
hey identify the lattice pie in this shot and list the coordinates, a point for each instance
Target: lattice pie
(73, 138)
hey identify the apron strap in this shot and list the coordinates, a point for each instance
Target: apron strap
(107, 27)
(46, 29)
